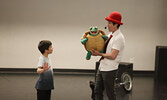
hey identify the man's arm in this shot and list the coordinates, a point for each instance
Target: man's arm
(112, 55)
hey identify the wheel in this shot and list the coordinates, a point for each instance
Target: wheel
(126, 81)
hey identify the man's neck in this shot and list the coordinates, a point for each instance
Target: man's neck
(45, 54)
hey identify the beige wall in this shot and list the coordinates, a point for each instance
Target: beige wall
(23, 23)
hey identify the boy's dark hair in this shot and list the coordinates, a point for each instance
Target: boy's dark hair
(44, 45)
(116, 23)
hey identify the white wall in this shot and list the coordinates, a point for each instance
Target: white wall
(23, 23)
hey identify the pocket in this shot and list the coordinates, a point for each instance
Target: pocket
(115, 73)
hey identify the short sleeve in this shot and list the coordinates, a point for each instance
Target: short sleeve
(40, 62)
(118, 44)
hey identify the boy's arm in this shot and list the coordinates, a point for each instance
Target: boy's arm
(40, 70)
(45, 68)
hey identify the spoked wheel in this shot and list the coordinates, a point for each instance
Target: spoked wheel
(126, 81)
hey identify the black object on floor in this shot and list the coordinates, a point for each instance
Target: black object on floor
(92, 86)
(161, 63)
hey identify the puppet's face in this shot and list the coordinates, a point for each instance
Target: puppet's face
(93, 31)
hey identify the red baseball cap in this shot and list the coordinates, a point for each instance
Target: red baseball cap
(115, 17)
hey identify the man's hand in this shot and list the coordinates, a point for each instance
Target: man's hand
(45, 66)
(111, 55)
(96, 53)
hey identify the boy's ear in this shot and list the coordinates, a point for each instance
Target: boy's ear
(45, 50)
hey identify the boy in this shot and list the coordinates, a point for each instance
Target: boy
(45, 81)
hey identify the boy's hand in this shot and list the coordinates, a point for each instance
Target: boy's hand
(45, 66)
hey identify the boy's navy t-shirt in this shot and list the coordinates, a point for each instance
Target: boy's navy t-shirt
(45, 80)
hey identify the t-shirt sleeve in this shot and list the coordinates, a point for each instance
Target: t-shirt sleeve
(118, 44)
(40, 62)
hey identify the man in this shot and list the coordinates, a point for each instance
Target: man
(110, 58)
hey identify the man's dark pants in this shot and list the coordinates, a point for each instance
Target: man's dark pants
(105, 80)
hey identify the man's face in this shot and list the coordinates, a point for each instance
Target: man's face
(111, 27)
(50, 50)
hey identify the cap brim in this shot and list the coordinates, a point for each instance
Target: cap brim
(106, 18)
(112, 20)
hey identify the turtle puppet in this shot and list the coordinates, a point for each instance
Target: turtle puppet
(94, 39)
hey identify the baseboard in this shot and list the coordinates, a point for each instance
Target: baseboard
(56, 71)
(64, 71)
(143, 73)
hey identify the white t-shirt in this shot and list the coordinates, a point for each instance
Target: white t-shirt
(116, 42)
(45, 80)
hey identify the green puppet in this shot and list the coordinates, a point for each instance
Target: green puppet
(94, 39)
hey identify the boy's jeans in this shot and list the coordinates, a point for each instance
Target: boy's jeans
(43, 94)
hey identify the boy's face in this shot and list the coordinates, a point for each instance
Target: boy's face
(50, 50)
